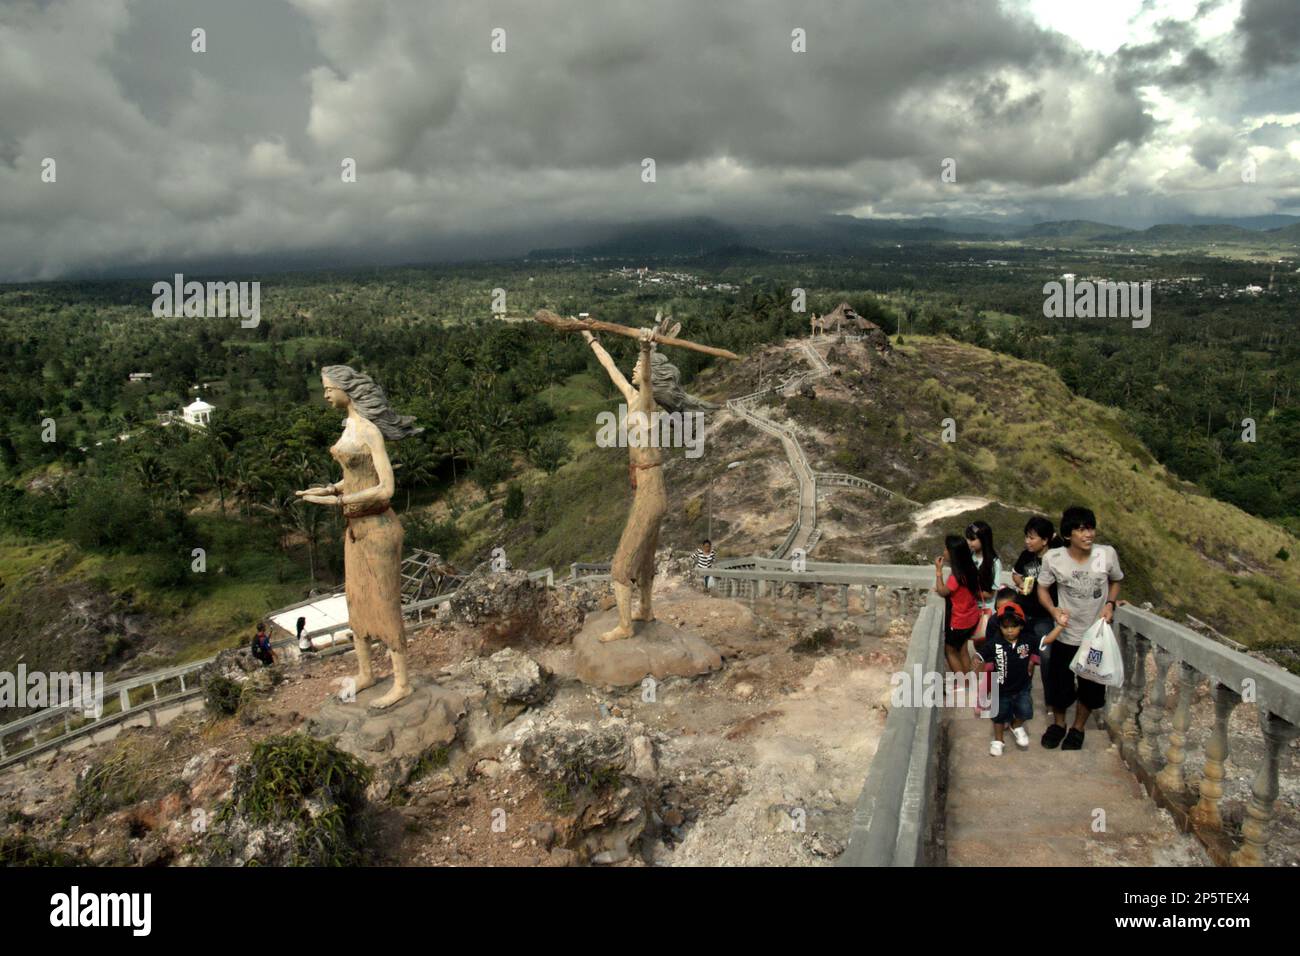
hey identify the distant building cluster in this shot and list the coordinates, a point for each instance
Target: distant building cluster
(647, 276)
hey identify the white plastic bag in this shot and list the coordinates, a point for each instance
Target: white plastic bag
(1098, 658)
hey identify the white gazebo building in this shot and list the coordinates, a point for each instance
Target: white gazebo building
(197, 413)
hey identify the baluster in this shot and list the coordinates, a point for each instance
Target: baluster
(1206, 811)
(1153, 718)
(875, 607)
(1263, 790)
(1171, 779)
(124, 698)
(817, 597)
(844, 601)
(753, 594)
(1136, 696)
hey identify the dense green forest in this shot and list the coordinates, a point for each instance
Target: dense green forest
(109, 477)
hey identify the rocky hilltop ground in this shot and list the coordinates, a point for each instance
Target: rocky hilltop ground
(502, 755)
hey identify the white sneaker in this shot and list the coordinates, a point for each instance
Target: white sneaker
(995, 748)
(1022, 738)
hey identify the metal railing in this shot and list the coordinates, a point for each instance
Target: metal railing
(53, 727)
(882, 588)
(840, 478)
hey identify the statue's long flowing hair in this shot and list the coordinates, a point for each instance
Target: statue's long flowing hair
(666, 379)
(372, 402)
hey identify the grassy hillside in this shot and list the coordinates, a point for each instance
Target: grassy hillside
(1025, 440)
(64, 608)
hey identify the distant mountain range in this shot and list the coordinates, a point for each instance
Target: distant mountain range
(702, 236)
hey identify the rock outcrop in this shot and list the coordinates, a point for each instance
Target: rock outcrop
(600, 781)
(512, 679)
(657, 649)
(391, 742)
(505, 609)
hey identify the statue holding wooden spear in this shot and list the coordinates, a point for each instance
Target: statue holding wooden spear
(634, 560)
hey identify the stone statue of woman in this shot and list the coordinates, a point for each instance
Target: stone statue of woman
(634, 559)
(372, 541)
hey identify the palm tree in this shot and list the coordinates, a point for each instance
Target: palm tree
(216, 465)
(419, 467)
(152, 473)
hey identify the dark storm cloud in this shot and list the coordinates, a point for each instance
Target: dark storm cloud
(166, 154)
(1270, 32)
(1211, 146)
(1173, 59)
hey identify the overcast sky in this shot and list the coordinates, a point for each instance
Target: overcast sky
(1125, 111)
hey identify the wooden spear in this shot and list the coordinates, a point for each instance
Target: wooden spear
(547, 317)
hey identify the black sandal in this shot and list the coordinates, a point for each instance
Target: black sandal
(1053, 736)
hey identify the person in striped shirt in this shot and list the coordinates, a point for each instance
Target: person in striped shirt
(704, 556)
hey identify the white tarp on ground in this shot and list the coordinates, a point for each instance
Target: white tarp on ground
(328, 613)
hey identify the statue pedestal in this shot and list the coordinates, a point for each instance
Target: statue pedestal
(657, 649)
(393, 740)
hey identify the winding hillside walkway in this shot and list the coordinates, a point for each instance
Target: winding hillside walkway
(804, 534)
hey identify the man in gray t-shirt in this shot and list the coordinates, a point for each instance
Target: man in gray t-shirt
(1082, 589)
(1087, 576)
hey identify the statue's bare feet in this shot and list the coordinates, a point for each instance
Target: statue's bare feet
(617, 634)
(399, 692)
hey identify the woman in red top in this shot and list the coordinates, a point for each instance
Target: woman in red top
(962, 589)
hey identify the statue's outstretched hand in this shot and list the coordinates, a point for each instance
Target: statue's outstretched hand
(647, 336)
(318, 490)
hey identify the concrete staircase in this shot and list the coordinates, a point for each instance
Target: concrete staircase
(1043, 807)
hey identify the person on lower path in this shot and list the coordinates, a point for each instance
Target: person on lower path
(305, 646)
(1087, 577)
(704, 557)
(261, 647)
(1011, 655)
